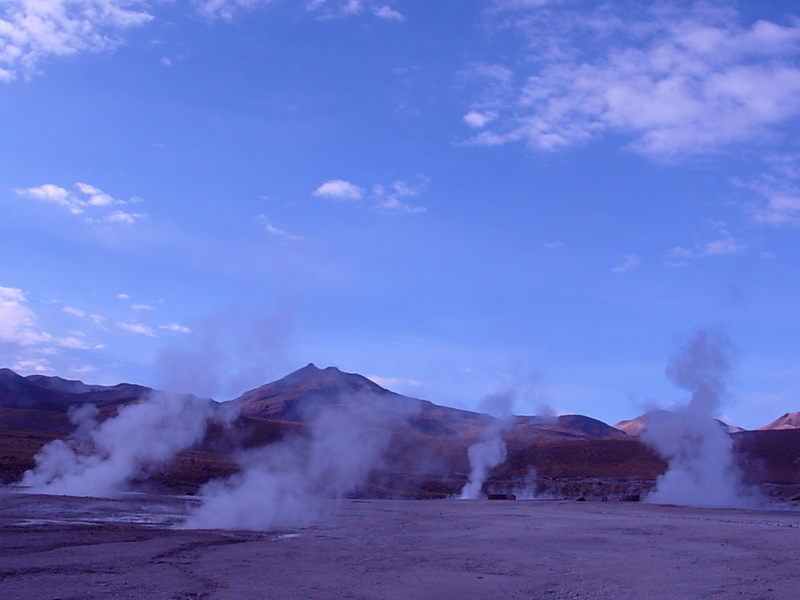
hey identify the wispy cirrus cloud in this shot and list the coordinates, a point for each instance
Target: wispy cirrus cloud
(391, 198)
(277, 233)
(630, 262)
(137, 328)
(675, 79)
(87, 200)
(720, 247)
(227, 9)
(778, 191)
(82, 314)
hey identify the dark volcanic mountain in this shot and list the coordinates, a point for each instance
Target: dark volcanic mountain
(294, 397)
(301, 395)
(39, 392)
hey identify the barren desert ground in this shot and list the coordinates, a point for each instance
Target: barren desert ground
(70, 548)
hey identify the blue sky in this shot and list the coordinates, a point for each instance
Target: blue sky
(453, 198)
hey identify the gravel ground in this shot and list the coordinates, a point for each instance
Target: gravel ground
(84, 548)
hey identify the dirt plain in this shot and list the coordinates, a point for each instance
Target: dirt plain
(62, 548)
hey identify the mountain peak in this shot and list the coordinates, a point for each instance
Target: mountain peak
(786, 421)
(309, 384)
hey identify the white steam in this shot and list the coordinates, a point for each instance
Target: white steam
(491, 450)
(283, 484)
(701, 470)
(100, 458)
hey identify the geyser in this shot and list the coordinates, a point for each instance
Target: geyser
(491, 449)
(100, 458)
(701, 468)
(282, 484)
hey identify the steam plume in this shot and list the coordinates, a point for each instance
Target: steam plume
(699, 452)
(283, 484)
(491, 450)
(99, 459)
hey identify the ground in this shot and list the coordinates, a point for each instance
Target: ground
(69, 548)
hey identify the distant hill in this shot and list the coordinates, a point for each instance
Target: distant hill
(635, 427)
(39, 392)
(787, 421)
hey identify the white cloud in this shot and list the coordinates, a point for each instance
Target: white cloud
(52, 193)
(18, 326)
(387, 12)
(86, 198)
(479, 120)
(35, 365)
(33, 30)
(388, 197)
(675, 80)
(720, 247)
(176, 328)
(96, 197)
(393, 382)
(781, 209)
(631, 261)
(340, 190)
(119, 216)
(227, 9)
(74, 311)
(137, 328)
(142, 307)
(23, 345)
(779, 191)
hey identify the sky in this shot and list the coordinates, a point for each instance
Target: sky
(452, 198)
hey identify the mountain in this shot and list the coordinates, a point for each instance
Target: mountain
(39, 392)
(635, 427)
(787, 421)
(299, 396)
(427, 452)
(567, 427)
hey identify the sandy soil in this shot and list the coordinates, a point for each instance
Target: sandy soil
(69, 548)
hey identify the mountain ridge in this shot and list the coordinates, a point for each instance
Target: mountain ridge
(279, 399)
